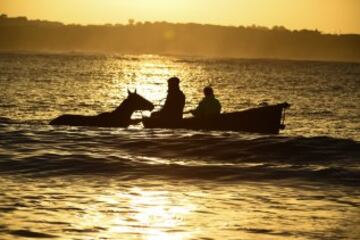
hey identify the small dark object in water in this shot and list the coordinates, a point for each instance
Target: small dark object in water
(120, 117)
(267, 120)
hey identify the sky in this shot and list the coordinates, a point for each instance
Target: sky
(329, 16)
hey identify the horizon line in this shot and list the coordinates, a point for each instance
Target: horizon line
(164, 21)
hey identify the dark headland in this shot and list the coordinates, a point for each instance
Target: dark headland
(22, 34)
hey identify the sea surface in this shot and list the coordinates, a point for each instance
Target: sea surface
(60, 182)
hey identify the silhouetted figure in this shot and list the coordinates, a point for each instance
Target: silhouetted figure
(120, 117)
(174, 104)
(208, 106)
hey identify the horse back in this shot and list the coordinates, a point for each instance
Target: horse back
(101, 120)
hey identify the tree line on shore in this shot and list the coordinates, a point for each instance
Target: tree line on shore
(21, 34)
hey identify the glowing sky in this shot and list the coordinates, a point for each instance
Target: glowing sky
(333, 16)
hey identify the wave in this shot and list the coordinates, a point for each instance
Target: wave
(226, 156)
(5, 120)
(9, 121)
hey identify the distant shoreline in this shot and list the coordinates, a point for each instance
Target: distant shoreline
(134, 22)
(162, 38)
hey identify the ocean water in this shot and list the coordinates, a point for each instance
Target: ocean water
(62, 182)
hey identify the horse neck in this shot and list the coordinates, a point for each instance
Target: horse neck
(125, 110)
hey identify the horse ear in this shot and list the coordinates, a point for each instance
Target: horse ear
(135, 91)
(129, 93)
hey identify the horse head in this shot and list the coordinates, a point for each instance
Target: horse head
(138, 102)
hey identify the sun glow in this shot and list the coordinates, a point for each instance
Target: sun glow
(149, 80)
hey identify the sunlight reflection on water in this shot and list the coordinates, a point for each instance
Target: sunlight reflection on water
(80, 201)
(41, 87)
(156, 209)
(154, 221)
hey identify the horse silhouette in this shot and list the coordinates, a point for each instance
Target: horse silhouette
(120, 117)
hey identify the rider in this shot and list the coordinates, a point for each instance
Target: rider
(174, 104)
(208, 106)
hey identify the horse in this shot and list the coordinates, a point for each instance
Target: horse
(120, 117)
